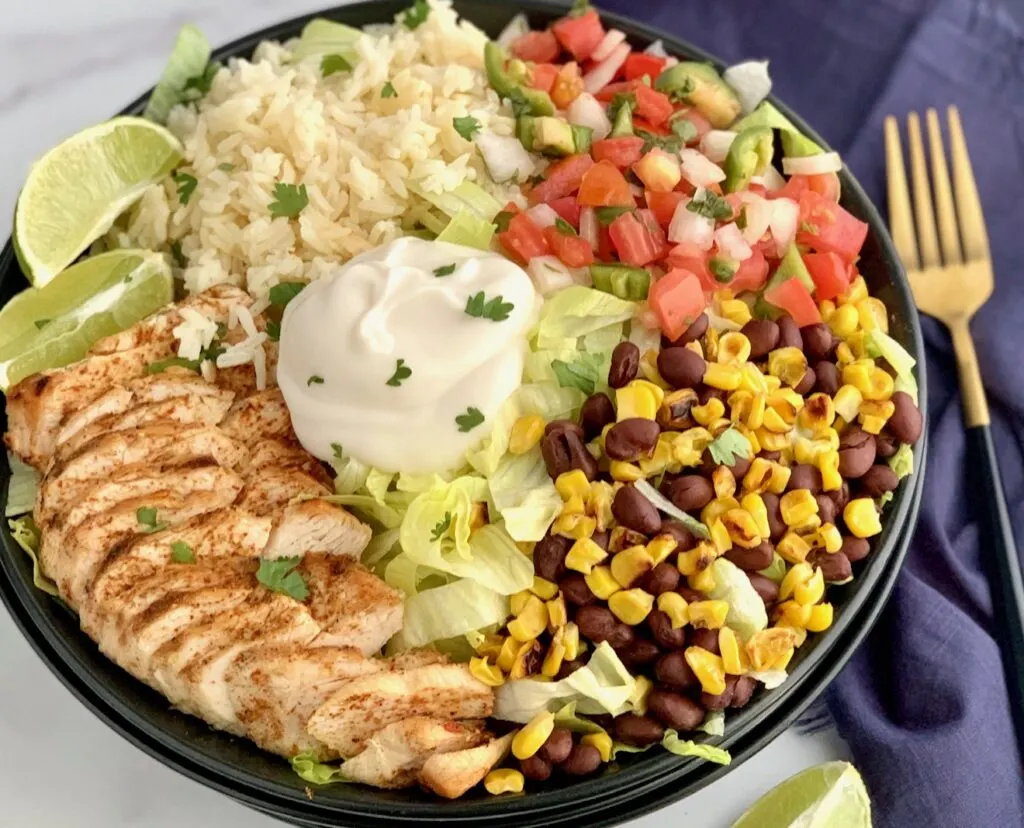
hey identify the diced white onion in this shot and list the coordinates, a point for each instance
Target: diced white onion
(771, 179)
(636, 190)
(759, 212)
(750, 82)
(825, 162)
(657, 48)
(581, 276)
(698, 169)
(589, 226)
(542, 215)
(785, 216)
(691, 228)
(731, 243)
(611, 39)
(516, 28)
(549, 275)
(601, 75)
(716, 142)
(506, 158)
(588, 111)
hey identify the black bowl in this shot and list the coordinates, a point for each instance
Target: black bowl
(634, 785)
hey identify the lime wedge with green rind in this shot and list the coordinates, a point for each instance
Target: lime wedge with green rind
(75, 192)
(44, 328)
(825, 796)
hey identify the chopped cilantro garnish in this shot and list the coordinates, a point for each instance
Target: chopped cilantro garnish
(416, 16)
(339, 452)
(582, 374)
(441, 527)
(684, 130)
(279, 575)
(710, 206)
(162, 365)
(186, 186)
(182, 553)
(447, 270)
(226, 167)
(179, 257)
(466, 127)
(289, 200)
(669, 143)
(606, 215)
(502, 220)
(401, 373)
(722, 269)
(283, 292)
(579, 8)
(147, 518)
(565, 228)
(331, 64)
(470, 420)
(273, 331)
(620, 100)
(496, 310)
(198, 86)
(42, 323)
(729, 445)
(388, 90)
(315, 379)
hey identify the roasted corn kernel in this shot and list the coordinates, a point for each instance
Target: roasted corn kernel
(485, 672)
(661, 547)
(517, 601)
(847, 402)
(504, 780)
(527, 660)
(602, 741)
(602, 583)
(675, 408)
(675, 607)
(792, 614)
(489, 647)
(858, 374)
(526, 433)
(720, 537)
(575, 505)
(742, 527)
(716, 508)
(881, 386)
(821, 618)
(858, 290)
(780, 478)
(788, 364)
(571, 641)
(558, 616)
(767, 646)
(708, 614)
(799, 634)
(773, 423)
(782, 662)
(578, 527)
(797, 507)
(602, 493)
(753, 503)
(793, 548)
(584, 556)
(649, 369)
(809, 593)
(708, 413)
(631, 606)
(831, 537)
(711, 345)
(736, 311)
(799, 573)
(708, 668)
(861, 517)
(697, 559)
(733, 348)
(530, 622)
(826, 308)
(531, 737)
(754, 381)
(874, 414)
(873, 315)
(734, 657)
(630, 565)
(624, 472)
(702, 581)
(573, 484)
(844, 321)
(723, 377)
(758, 475)
(641, 692)
(844, 355)
(507, 654)
(817, 414)
(696, 347)
(638, 399)
(828, 465)
(554, 657)
(723, 481)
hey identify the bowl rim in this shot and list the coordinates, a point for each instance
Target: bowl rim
(661, 775)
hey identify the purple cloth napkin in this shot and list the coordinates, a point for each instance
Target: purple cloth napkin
(923, 703)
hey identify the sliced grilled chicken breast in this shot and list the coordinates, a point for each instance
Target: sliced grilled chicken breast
(452, 774)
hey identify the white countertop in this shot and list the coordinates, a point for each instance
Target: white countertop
(65, 64)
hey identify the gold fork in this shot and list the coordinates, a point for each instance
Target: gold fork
(950, 273)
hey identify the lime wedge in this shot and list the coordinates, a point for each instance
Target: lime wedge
(43, 328)
(826, 796)
(75, 192)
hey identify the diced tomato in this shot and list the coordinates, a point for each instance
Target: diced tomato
(580, 35)
(795, 187)
(795, 299)
(569, 209)
(700, 123)
(663, 205)
(568, 85)
(828, 228)
(825, 184)
(603, 185)
(622, 152)
(647, 126)
(605, 248)
(561, 179)
(612, 89)
(752, 273)
(695, 262)
(570, 249)
(651, 105)
(543, 76)
(757, 189)
(536, 47)
(633, 240)
(524, 239)
(677, 299)
(658, 237)
(830, 274)
(639, 64)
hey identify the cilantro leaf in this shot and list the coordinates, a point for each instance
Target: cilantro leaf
(501, 221)
(332, 64)
(518, 101)
(710, 206)
(179, 257)
(447, 270)
(582, 374)
(670, 143)
(388, 90)
(283, 292)
(273, 331)
(722, 268)
(620, 100)
(416, 16)
(339, 452)
(684, 130)
(441, 527)
(182, 553)
(279, 575)
(729, 445)
(401, 373)
(565, 228)
(606, 215)
(579, 8)
(466, 127)
(496, 310)
(42, 323)
(315, 379)
(470, 420)
(289, 200)
(186, 186)
(198, 86)
(226, 167)
(147, 518)
(162, 365)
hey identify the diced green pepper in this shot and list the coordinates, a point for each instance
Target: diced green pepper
(629, 283)
(508, 85)
(494, 63)
(723, 268)
(622, 126)
(794, 143)
(792, 265)
(583, 137)
(525, 131)
(553, 136)
(749, 155)
(700, 85)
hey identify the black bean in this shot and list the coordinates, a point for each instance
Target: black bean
(827, 378)
(773, 456)
(596, 623)
(906, 423)
(568, 668)
(718, 701)
(805, 476)
(695, 331)
(818, 340)
(760, 557)
(765, 587)
(856, 452)
(672, 670)
(574, 588)
(886, 445)
(681, 367)
(625, 364)
(826, 509)
(855, 549)
(705, 639)
(638, 731)
(582, 760)
(773, 506)
(739, 468)
(621, 636)
(878, 480)
(535, 768)
(691, 492)
(685, 539)
(601, 537)
(806, 385)
(840, 497)
(663, 578)
(549, 556)
(706, 392)
(789, 334)
(661, 628)
(835, 566)
(641, 651)
(743, 690)
(557, 747)
(763, 335)
(636, 512)
(675, 710)
(564, 449)
(631, 439)
(596, 412)
(689, 594)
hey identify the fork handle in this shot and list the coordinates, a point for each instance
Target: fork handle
(972, 392)
(1006, 580)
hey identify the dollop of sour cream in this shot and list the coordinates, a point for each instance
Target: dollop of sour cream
(404, 355)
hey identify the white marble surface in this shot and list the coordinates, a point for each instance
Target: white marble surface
(65, 64)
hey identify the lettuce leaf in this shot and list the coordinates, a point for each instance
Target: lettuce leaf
(604, 685)
(21, 490)
(578, 311)
(380, 546)
(368, 506)
(777, 570)
(747, 614)
(377, 484)
(569, 719)
(899, 358)
(351, 475)
(713, 724)
(770, 678)
(327, 37)
(447, 611)
(524, 496)
(902, 462)
(687, 747)
(26, 535)
(309, 768)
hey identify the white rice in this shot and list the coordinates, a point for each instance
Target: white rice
(272, 120)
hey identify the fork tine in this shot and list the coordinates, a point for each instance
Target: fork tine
(900, 222)
(949, 233)
(922, 195)
(972, 220)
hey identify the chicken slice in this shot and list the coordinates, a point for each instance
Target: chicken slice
(226, 533)
(362, 706)
(274, 487)
(260, 416)
(167, 444)
(275, 688)
(452, 774)
(394, 755)
(288, 454)
(316, 526)
(354, 607)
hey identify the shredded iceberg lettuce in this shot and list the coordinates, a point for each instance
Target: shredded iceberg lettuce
(747, 614)
(326, 37)
(524, 496)
(312, 770)
(26, 535)
(447, 611)
(776, 571)
(687, 747)
(21, 490)
(902, 462)
(578, 311)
